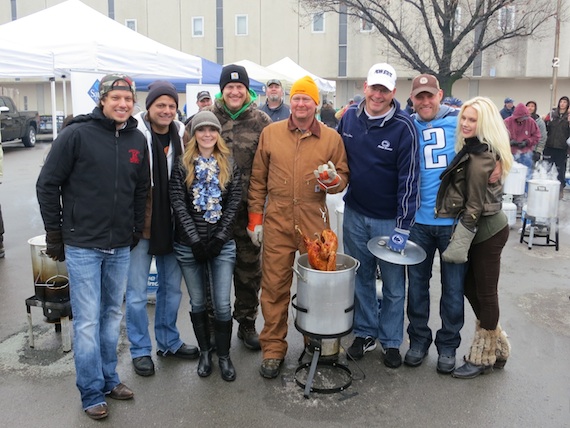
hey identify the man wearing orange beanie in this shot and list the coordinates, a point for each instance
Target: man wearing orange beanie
(297, 162)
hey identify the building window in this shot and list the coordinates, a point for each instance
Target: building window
(318, 22)
(365, 26)
(507, 18)
(131, 23)
(241, 25)
(198, 26)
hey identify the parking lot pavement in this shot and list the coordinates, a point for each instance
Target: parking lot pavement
(38, 385)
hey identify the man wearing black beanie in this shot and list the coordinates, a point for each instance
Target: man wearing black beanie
(164, 136)
(242, 124)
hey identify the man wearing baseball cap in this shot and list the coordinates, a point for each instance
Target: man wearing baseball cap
(242, 123)
(164, 137)
(508, 109)
(92, 192)
(436, 125)
(275, 106)
(382, 149)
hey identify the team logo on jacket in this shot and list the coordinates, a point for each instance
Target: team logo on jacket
(385, 145)
(135, 156)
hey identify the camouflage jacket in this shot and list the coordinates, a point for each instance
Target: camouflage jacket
(241, 135)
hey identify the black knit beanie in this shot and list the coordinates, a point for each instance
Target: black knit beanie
(159, 88)
(233, 73)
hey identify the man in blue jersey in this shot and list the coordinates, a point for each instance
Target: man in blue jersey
(436, 125)
(382, 151)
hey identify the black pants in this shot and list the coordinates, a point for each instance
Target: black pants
(482, 278)
(558, 158)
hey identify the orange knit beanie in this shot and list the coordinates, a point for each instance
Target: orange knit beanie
(306, 86)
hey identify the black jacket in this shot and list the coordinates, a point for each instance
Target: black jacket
(102, 178)
(190, 226)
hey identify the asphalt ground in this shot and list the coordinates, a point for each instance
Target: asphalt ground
(37, 386)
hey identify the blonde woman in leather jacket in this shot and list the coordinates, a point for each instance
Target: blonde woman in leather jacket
(468, 192)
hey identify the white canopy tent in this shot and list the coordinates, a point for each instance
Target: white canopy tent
(78, 38)
(290, 68)
(264, 74)
(13, 64)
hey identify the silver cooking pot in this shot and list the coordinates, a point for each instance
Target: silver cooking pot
(324, 301)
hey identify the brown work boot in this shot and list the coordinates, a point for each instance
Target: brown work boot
(247, 333)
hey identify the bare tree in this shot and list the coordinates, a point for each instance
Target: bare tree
(444, 37)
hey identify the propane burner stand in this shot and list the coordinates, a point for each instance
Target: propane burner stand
(326, 386)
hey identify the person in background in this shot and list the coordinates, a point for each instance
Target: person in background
(275, 106)
(92, 192)
(556, 148)
(452, 102)
(524, 136)
(288, 154)
(356, 100)
(327, 115)
(382, 148)
(436, 125)
(203, 100)
(205, 191)
(242, 124)
(164, 137)
(508, 108)
(539, 149)
(482, 230)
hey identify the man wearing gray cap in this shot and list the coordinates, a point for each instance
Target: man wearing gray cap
(275, 107)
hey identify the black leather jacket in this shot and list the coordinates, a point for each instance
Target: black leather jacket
(465, 190)
(190, 226)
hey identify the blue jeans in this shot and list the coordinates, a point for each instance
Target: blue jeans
(220, 271)
(447, 339)
(97, 283)
(168, 297)
(388, 326)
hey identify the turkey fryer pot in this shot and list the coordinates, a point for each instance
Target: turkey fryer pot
(325, 299)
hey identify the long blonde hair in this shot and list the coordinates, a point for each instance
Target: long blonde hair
(221, 154)
(490, 130)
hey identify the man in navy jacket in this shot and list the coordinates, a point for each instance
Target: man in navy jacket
(382, 149)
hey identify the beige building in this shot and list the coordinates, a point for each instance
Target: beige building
(329, 45)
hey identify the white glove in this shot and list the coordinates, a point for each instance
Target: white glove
(256, 235)
(327, 176)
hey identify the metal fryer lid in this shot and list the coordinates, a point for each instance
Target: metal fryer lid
(412, 254)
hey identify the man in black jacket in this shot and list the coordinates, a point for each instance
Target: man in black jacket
(92, 191)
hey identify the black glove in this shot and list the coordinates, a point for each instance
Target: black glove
(514, 143)
(523, 144)
(54, 245)
(136, 238)
(536, 156)
(200, 253)
(215, 247)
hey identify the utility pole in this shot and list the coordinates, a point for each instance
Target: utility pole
(556, 59)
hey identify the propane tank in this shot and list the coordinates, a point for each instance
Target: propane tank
(510, 209)
(152, 284)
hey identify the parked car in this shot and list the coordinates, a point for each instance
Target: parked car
(18, 125)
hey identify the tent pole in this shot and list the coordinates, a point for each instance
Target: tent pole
(53, 107)
(64, 82)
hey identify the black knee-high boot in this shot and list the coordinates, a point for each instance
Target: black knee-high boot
(202, 332)
(223, 338)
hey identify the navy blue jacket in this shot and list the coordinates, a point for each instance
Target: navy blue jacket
(383, 161)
